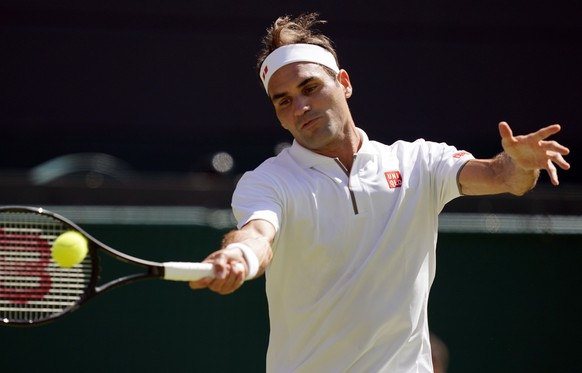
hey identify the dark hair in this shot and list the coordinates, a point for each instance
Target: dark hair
(285, 31)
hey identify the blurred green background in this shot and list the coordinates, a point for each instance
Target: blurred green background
(500, 302)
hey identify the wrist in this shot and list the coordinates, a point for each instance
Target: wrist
(250, 257)
(518, 180)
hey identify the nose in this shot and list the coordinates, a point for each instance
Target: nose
(301, 106)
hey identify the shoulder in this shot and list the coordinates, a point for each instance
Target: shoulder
(420, 152)
(420, 145)
(401, 147)
(272, 169)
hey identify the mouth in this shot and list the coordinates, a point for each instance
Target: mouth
(309, 123)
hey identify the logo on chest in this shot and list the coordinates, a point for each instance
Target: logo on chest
(394, 179)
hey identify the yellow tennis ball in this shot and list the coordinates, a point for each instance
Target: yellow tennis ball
(69, 249)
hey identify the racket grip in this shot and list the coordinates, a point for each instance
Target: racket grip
(185, 271)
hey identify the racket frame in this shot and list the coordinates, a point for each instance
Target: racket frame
(152, 269)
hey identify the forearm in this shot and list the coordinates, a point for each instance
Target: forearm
(495, 176)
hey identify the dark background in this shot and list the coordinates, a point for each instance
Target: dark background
(161, 85)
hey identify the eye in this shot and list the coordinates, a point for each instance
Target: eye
(310, 88)
(283, 102)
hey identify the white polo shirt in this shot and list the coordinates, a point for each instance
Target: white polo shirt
(354, 255)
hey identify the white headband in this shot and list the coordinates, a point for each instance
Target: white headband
(295, 53)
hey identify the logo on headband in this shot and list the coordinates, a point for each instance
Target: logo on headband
(292, 53)
(265, 70)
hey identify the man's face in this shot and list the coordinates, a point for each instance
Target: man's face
(312, 105)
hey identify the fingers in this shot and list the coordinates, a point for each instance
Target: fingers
(554, 154)
(200, 284)
(541, 134)
(533, 151)
(560, 161)
(546, 132)
(229, 273)
(232, 278)
(555, 158)
(554, 146)
(551, 169)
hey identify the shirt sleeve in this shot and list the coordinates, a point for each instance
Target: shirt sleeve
(445, 163)
(255, 198)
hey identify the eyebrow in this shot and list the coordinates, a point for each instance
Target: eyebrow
(283, 94)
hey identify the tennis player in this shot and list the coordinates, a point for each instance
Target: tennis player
(344, 227)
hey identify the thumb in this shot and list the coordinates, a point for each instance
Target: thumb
(507, 139)
(505, 131)
(200, 284)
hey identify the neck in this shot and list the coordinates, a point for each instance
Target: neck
(350, 146)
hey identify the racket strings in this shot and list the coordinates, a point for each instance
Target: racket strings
(32, 285)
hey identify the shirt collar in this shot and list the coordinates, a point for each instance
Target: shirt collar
(308, 158)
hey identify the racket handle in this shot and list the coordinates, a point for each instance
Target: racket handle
(184, 271)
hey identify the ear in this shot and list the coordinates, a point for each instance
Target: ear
(344, 80)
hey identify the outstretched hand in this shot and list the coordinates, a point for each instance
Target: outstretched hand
(533, 151)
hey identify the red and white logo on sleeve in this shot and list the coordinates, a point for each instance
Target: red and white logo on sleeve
(460, 154)
(394, 179)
